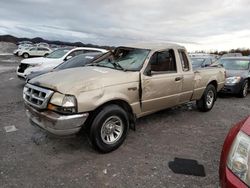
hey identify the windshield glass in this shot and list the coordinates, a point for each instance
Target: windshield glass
(58, 53)
(197, 61)
(234, 64)
(78, 61)
(127, 59)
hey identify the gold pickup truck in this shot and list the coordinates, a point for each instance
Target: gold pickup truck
(108, 95)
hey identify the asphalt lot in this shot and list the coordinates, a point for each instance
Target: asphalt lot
(31, 158)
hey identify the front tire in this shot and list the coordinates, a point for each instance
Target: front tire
(244, 90)
(109, 128)
(25, 55)
(207, 100)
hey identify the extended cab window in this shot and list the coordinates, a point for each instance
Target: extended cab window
(163, 61)
(184, 60)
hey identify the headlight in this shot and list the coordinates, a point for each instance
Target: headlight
(61, 103)
(238, 159)
(233, 80)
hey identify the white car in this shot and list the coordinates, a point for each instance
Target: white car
(21, 47)
(34, 52)
(54, 59)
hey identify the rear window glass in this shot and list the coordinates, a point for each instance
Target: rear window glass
(234, 64)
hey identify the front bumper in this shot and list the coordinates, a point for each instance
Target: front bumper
(54, 123)
(233, 89)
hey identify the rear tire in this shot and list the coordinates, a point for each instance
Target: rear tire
(207, 100)
(25, 55)
(244, 90)
(109, 128)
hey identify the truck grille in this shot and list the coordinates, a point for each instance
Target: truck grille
(36, 96)
(22, 67)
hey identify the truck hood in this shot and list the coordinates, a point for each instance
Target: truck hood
(76, 80)
(40, 60)
(241, 73)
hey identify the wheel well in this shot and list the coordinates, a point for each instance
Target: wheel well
(214, 83)
(123, 104)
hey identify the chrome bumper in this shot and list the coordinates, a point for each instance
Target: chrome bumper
(55, 123)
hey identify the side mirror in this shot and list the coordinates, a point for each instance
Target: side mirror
(148, 72)
(68, 57)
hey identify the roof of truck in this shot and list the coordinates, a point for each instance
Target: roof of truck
(153, 46)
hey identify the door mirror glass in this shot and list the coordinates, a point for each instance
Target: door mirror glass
(68, 57)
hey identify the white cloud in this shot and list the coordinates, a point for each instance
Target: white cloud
(197, 24)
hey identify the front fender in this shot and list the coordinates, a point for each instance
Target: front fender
(90, 100)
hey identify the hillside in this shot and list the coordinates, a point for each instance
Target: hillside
(15, 40)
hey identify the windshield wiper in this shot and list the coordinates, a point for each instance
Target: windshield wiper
(116, 64)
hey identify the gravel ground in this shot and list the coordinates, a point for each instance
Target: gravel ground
(31, 158)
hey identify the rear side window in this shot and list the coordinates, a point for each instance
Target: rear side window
(42, 49)
(75, 53)
(163, 61)
(184, 60)
(90, 51)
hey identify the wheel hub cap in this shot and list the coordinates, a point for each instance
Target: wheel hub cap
(112, 130)
(210, 98)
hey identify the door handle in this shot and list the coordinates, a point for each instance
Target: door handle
(178, 78)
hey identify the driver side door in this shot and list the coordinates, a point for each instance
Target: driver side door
(163, 87)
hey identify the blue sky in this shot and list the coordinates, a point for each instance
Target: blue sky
(199, 25)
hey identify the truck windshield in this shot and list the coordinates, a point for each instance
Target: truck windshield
(58, 53)
(127, 59)
(234, 64)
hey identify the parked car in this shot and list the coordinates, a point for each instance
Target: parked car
(238, 75)
(22, 47)
(198, 55)
(235, 157)
(54, 59)
(24, 42)
(232, 55)
(108, 95)
(34, 52)
(77, 61)
(202, 61)
(42, 44)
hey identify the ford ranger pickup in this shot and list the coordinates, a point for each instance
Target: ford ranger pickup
(109, 95)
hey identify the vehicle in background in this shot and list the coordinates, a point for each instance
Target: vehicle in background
(203, 61)
(238, 75)
(54, 59)
(198, 54)
(54, 47)
(42, 44)
(77, 61)
(232, 55)
(34, 52)
(108, 95)
(24, 43)
(21, 47)
(235, 157)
